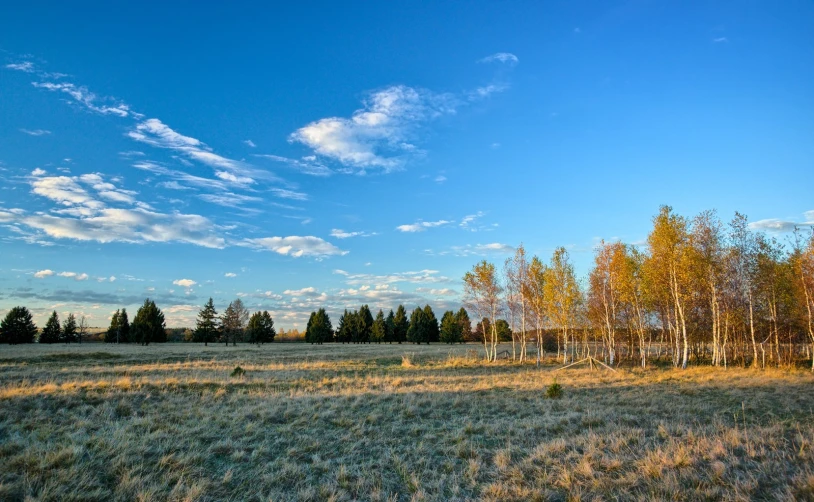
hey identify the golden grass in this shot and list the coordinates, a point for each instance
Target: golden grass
(390, 422)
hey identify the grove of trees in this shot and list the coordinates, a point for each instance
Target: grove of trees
(698, 291)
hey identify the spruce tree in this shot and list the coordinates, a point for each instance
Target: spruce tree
(18, 327)
(206, 327)
(343, 328)
(417, 332)
(431, 323)
(124, 327)
(260, 328)
(112, 335)
(68, 334)
(450, 328)
(401, 325)
(390, 327)
(379, 329)
(319, 329)
(462, 317)
(148, 325)
(52, 331)
(366, 318)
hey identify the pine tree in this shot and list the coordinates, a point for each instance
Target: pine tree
(366, 318)
(148, 325)
(113, 333)
(260, 328)
(462, 317)
(343, 329)
(18, 327)
(319, 329)
(400, 325)
(418, 332)
(379, 329)
(450, 328)
(68, 334)
(390, 327)
(124, 327)
(52, 331)
(431, 323)
(207, 325)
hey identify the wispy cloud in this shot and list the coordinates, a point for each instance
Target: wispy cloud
(89, 100)
(308, 164)
(721, 40)
(250, 143)
(416, 277)
(380, 132)
(500, 57)
(778, 225)
(295, 246)
(341, 234)
(421, 226)
(35, 132)
(230, 275)
(26, 66)
(309, 291)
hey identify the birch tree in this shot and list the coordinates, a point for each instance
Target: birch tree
(482, 295)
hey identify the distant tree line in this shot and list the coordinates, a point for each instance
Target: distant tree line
(698, 291)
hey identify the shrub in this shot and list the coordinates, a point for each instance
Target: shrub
(554, 391)
(238, 372)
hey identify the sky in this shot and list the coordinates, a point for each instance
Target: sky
(308, 154)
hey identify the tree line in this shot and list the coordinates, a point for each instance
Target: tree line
(698, 290)
(359, 326)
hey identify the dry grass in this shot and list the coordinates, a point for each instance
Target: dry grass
(390, 423)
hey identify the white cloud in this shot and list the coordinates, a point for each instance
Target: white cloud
(437, 292)
(780, 225)
(112, 278)
(83, 96)
(501, 57)
(421, 226)
(381, 281)
(341, 234)
(250, 143)
(289, 194)
(487, 90)
(42, 274)
(38, 172)
(309, 291)
(184, 283)
(26, 66)
(308, 164)
(478, 249)
(35, 132)
(295, 246)
(720, 40)
(440, 178)
(377, 134)
(74, 276)
(230, 274)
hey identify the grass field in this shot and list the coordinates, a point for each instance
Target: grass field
(390, 422)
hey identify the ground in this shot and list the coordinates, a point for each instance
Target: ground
(390, 422)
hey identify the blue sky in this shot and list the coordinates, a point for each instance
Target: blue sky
(309, 154)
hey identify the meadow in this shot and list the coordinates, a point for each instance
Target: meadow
(390, 422)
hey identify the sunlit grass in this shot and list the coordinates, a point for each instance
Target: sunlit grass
(390, 422)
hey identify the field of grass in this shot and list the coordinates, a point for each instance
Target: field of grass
(390, 422)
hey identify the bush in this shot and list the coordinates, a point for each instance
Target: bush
(238, 372)
(554, 391)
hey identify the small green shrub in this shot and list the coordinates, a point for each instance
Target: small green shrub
(238, 372)
(554, 391)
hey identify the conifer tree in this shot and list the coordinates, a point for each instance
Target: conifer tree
(68, 334)
(124, 327)
(206, 327)
(450, 328)
(148, 325)
(418, 332)
(390, 327)
(319, 329)
(366, 324)
(400, 325)
(462, 318)
(260, 328)
(379, 329)
(52, 331)
(112, 335)
(431, 323)
(18, 327)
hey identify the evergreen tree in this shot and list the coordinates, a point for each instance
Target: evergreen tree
(400, 325)
(206, 327)
(233, 320)
(260, 328)
(18, 327)
(418, 332)
(504, 332)
(319, 329)
(450, 328)
(124, 327)
(68, 334)
(343, 329)
(432, 324)
(390, 327)
(356, 327)
(366, 318)
(113, 333)
(462, 317)
(148, 325)
(379, 329)
(52, 331)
